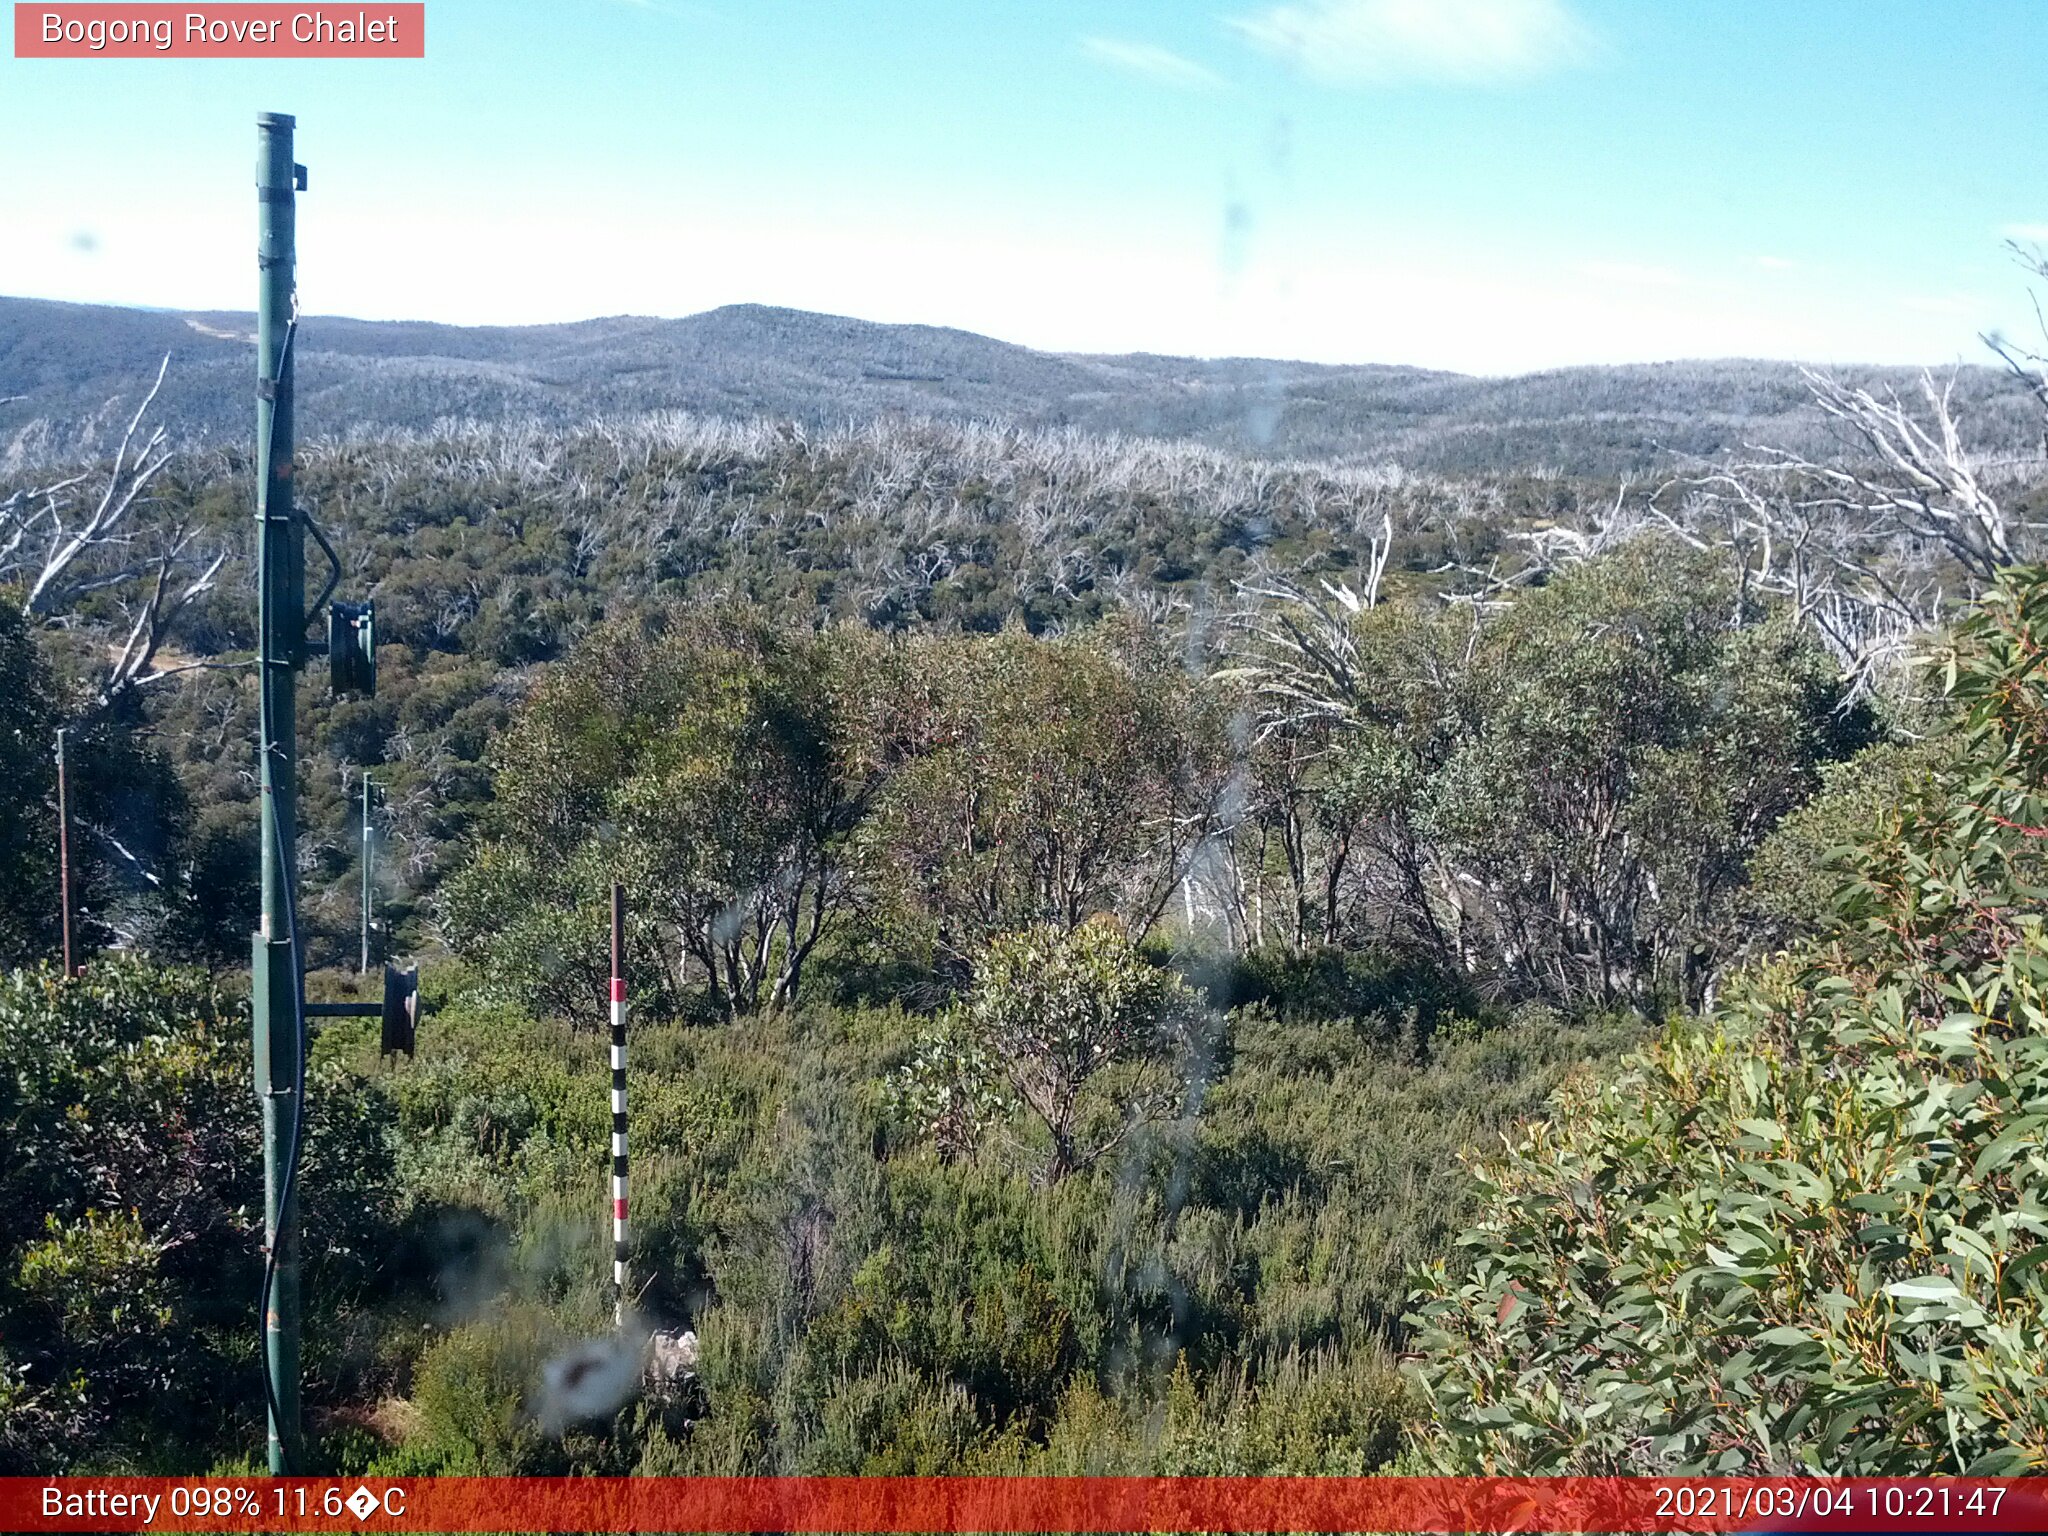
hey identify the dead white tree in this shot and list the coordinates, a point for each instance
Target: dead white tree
(1297, 649)
(1869, 548)
(2028, 364)
(65, 540)
(1298, 652)
(1911, 478)
(41, 545)
(1867, 591)
(1872, 546)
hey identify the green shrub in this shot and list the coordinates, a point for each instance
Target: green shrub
(1399, 997)
(1808, 1232)
(1055, 1017)
(131, 1207)
(40, 1426)
(99, 1284)
(892, 1422)
(1797, 873)
(471, 1387)
(30, 711)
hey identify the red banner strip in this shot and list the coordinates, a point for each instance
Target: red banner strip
(1004, 1504)
(372, 31)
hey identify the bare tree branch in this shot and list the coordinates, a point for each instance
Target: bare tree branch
(63, 547)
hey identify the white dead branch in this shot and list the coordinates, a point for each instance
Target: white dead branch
(65, 540)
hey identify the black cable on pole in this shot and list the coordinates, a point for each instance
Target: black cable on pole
(287, 1186)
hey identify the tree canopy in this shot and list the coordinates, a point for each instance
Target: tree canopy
(1806, 1231)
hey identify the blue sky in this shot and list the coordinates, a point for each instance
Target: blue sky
(1487, 185)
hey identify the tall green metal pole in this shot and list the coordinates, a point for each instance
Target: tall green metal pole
(281, 623)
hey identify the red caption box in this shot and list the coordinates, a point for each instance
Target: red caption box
(1080, 1506)
(375, 31)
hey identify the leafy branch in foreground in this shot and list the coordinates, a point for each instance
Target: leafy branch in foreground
(1808, 1232)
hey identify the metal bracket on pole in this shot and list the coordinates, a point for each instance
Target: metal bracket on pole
(399, 1011)
(333, 565)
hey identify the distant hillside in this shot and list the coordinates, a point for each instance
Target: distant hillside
(66, 362)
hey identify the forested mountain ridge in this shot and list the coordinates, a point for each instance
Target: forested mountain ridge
(62, 363)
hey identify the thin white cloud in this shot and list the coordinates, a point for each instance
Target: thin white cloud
(1151, 62)
(1940, 304)
(2033, 234)
(1640, 274)
(1777, 264)
(675, 10)
(1400, 42)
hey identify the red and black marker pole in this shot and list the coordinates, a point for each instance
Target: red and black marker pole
(619, 1104)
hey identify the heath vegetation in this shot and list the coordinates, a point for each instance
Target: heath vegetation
(1144, 957)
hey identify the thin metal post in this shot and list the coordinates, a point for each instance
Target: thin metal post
(619, 1105)
(281, 625)
(363, 964)
(64, 853)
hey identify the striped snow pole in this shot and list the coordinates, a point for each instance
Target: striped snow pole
(619, 1104)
